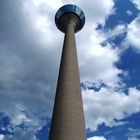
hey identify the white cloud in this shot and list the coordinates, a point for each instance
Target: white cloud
(19, 134)
(96, 138)
(133, 138)
(25, 95)
(1, 137)
(129, 13)
(52, 4)
(118, 30)
(97, 62)
(137, 3)
(21, 118)
(133, 134)
(133, 33)
(106, 105)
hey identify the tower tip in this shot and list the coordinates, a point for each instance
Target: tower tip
(69, 8)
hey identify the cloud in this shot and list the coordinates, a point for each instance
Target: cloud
(25, 67)
(118, 30)
(107, 105)
(133, 138)
(137, 3)
(133, 36)
(133, 134)
(97, 63)
(129, 13)
(20, 134)
(96, 138)
(1, 137)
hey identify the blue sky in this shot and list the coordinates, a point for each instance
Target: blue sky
(108, 50)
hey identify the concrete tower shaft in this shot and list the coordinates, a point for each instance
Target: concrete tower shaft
(68, 121)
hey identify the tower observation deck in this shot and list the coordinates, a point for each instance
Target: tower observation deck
(68, 121)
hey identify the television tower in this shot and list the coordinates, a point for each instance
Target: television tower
(68, 121)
